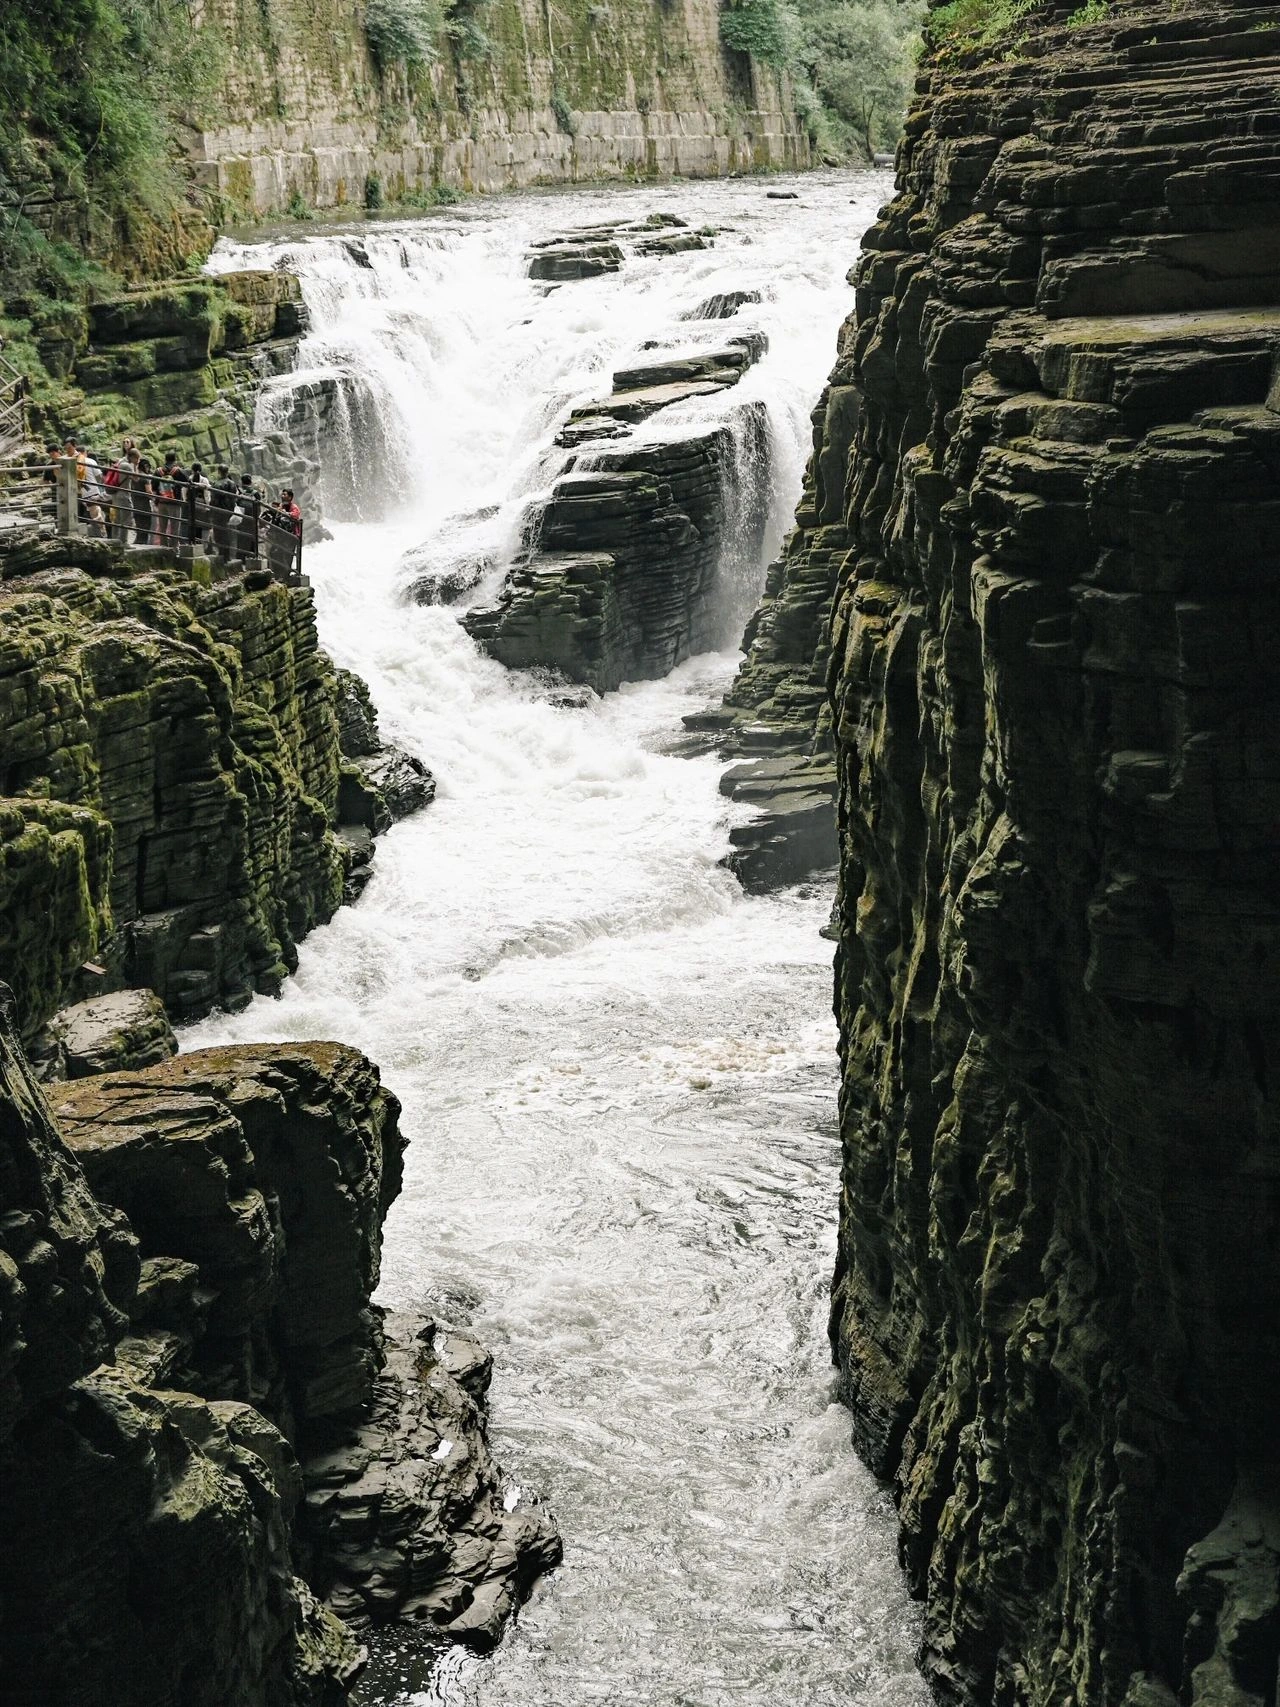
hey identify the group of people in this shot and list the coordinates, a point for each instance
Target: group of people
(136, 503)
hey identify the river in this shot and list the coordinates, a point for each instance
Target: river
(618, 1071)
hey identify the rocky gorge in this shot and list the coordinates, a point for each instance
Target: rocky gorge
(1010, 675)
(1053, 697)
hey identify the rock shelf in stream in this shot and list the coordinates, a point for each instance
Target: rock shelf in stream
(623, 581)
(593, 250)
(205, 1426)
(622, 578)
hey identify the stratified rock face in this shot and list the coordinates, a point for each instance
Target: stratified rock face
(1055, 686)
(229, 1159)
(172, 768)
(68, 1266)
(303, 109)
(144, 1534)
(257, 1180)
(407, 1516)
(625, 580)
(775, 718)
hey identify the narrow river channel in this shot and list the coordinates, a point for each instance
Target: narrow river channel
(618, 1071)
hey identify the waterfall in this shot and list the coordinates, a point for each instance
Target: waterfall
(617, 1070)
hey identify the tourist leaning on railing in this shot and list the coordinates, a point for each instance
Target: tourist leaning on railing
(135, 503)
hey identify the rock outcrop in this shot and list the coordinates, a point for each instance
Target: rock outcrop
(623, 582)
(145, 1533)
(630, 564)
(1055, 692)
(205, 1432)
(171, 780)
(775, 720)
(104, 1034)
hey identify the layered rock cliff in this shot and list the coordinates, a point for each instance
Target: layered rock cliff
(206, 1430)
(628, 565)
(173, 779)
(519, 93)
(1055, 691)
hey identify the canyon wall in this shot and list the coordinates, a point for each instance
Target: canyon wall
(187, 784)
(1055, 689)
(543, 95)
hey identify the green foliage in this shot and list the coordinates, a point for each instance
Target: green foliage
(372, 192)
(762, 28)
(438, 195)
(962, 26)
(100, 84)
(299, 207)
(851, 63)
(462, 24)
(403, 32)
(853, 67)
(564, 113)
(1092, 12)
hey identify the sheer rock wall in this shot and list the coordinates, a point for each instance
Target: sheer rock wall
(1055, 688)
(539, 95)
(171, 779)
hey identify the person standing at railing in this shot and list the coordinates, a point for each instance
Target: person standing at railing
(249, 504)
(197, 505)
(95, 497)
(167, 507)
(222, 502)
(117, 484)
(144, 505)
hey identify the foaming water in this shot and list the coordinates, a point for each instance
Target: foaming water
(617, 1070)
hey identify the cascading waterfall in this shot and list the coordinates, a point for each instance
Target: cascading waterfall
(617, 1070)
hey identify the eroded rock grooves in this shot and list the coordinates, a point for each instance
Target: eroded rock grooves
(185, 791)
(204, 1427)
(1055, 687)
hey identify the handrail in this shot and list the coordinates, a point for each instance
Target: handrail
(139, 510)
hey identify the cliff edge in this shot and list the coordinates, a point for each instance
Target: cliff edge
(1054, 686)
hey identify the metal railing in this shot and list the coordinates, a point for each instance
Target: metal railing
(151, 510)
(14, 389)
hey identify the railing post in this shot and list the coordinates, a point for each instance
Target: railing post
(68, 489)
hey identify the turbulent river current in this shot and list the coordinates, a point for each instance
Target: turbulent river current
(617, 1070)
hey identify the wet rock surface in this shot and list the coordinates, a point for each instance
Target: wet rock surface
(172, 779)
(775, 720)
(622, 577)
(622, 582)
(204, 1430)
(407, 1516)
(1054, 711)
(592, 250)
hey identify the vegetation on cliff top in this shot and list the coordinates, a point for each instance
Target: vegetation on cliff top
(851, 63)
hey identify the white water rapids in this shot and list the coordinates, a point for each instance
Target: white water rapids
(618, 1072)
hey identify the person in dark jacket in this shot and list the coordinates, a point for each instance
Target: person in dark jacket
(249, 504)
(222, 501)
